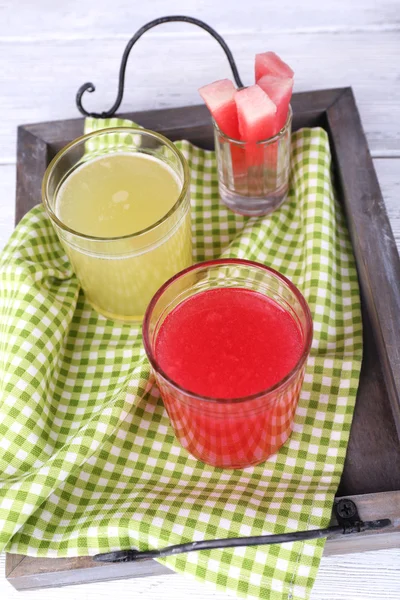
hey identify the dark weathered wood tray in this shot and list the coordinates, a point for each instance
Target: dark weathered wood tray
(371, 475)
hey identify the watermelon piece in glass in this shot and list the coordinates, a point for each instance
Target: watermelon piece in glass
(220, 100)
(279, 90)
(252, 130)
(256, 114)
(257, 121)
(269, 63)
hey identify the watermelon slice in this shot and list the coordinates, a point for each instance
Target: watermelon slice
(256, 114)
(279, 90)
(257, 117)
(269, 63)
(220, 100)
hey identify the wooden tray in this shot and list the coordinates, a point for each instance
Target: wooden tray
(371, 475)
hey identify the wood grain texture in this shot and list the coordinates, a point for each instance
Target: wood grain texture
(367, 576)
(370, 507)
(83, 18)
(374, 247)
(36, 573)
(388, 171)
(373, 454)
(38, 143)
(166, 72)
(33, 158)
(26, 573)
(28, 93)
(193, 121)
(373, 458)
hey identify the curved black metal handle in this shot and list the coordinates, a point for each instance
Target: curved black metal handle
(89, 87)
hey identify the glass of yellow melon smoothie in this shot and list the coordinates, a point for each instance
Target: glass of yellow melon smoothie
(119, 202)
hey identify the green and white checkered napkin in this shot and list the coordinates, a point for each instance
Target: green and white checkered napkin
(88, 459)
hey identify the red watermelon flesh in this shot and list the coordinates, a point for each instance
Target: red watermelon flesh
(280, 92)
(256, 114)
(257, 121)
(269, 63)
(220, 100)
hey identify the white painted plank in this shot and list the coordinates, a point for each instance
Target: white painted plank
(39, 80)
(388, 172)
(85, 18)
(367, 576)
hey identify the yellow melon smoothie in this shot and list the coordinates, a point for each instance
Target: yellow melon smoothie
(119, 201)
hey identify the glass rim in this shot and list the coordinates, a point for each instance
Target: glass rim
(267, 141)
(112, 130)
(221, 262)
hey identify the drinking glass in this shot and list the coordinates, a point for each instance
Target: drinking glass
(239, 432)
(254, 177)
(119, 275)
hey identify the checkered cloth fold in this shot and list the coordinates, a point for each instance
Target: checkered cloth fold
(88, 460)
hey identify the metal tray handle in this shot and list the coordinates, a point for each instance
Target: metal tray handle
(89, 87)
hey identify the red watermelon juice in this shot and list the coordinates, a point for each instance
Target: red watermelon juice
(229, 362)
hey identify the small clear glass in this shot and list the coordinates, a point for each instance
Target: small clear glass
(240, 432)
(254, 178)
(119, 275)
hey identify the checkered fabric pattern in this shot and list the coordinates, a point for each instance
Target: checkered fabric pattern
(88, 460)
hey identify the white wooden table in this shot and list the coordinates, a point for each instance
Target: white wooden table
(48, 49)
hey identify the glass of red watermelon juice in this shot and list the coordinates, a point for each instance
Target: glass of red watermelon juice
(228, 341)
(254, 176)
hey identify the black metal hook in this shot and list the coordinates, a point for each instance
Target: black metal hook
(89, 87)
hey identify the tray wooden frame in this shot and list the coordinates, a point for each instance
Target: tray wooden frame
(371, 475)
